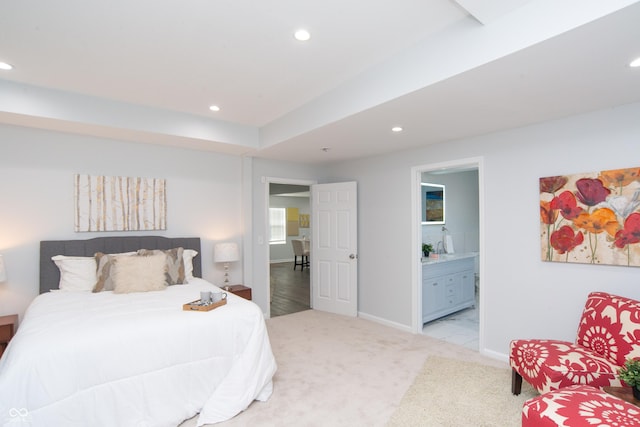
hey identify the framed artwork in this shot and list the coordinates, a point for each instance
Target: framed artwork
(304, 220)
(433, 203)
(293, 222)
(591, 218)
(117, 203)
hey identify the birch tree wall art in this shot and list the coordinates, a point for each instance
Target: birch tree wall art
(117, 203)
(591, 218)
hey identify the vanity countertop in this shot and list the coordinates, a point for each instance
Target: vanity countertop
(448, 257)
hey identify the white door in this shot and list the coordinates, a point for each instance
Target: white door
(334, 252)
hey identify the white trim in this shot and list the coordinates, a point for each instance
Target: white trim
(268, 180)
(416, 238)
(280, 261)
(504, 357)
(275, 180)
(247, 216)
(384, 322)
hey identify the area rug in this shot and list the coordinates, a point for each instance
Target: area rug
(450, 392)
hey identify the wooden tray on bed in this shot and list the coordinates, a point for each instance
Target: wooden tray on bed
(196, 306)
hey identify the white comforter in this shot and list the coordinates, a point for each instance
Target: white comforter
(84, 359)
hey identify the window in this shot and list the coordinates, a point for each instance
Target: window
(277, 226)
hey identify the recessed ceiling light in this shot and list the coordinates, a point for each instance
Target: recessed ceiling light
(302, 35)
(396, 129)
(5, 66)
(214, 108)
(635, 63)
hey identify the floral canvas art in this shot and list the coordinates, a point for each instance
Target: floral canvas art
(591, 218)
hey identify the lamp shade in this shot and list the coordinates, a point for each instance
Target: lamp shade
(226, 252)
(3, 272)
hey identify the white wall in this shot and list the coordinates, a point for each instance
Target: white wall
(36, 192)
(523, 296)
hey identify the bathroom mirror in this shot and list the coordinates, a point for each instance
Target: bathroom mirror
(433, 203)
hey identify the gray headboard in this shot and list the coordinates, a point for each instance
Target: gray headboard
(50, 275)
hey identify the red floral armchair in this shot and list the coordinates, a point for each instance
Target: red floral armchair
(579, 406)
(608, 334)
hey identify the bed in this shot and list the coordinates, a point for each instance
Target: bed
(109, 358)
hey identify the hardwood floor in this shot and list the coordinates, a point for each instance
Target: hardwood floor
(289, 289)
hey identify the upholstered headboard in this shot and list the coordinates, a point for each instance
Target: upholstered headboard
(50, 275)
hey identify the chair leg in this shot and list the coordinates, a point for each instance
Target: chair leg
(516, 382)
(295, 261)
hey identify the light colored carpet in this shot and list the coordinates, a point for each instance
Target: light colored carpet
(341, 371)
(452, 393)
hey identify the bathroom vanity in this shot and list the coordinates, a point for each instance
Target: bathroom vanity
(448, 285)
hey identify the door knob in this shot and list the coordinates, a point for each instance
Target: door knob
(353, 256)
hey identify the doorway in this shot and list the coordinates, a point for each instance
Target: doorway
(464, 327)
(289, 284)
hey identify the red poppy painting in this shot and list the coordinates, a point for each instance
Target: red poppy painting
(591, 218)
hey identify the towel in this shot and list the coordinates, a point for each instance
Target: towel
(448, 244)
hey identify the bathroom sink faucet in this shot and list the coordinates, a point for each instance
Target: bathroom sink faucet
(439, 247)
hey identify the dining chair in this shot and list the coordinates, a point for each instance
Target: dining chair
(299, 251)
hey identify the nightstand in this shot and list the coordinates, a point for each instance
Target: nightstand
(241, 291)
(8, 326)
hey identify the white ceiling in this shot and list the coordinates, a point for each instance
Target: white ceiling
(147, 70)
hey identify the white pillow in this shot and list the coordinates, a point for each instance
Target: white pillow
(138, 273)
(188, 255)
(77, 273)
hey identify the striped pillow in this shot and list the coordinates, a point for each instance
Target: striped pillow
(174, 264)
(103, 273)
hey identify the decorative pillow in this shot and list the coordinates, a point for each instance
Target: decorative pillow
(174, 271)
(103, 277)
(189, 255)
(77, 273)
(138, 273)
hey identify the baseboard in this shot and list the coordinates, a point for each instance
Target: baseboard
(385, 322)
(280, 261)
(489, 353)
(495, 355)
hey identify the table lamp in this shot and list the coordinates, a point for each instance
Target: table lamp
(226, 253)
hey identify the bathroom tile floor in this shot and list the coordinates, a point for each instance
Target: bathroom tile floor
(459, 328)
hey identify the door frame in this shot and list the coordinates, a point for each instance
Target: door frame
(268, 180)
(416, 236)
